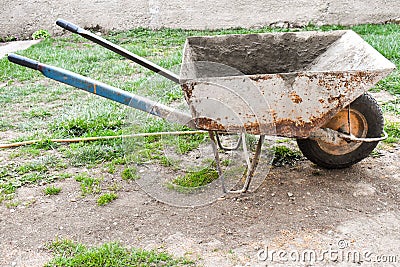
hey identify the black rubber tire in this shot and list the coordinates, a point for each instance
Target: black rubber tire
(370, 109)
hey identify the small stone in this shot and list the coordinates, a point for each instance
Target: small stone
(290, 194)
(13, 264)
(12, 210)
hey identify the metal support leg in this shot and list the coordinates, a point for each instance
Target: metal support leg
(217, 160)
(251, 164)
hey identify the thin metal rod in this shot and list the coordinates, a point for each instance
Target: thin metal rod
(97, 138)
(348, 119)
(351, 137)
(217, 160)
(228, 148)
(251, 167)
(117, 49)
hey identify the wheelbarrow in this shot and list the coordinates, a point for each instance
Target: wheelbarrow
(305, 85)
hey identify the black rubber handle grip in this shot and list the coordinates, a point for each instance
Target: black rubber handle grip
(23, 61)
(67, 25)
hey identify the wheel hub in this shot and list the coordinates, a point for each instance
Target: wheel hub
(358, 127)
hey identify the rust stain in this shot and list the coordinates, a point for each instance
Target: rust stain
(295, 97)
(256, 78)
(332, 99)
(286, 127)
(349, 81)
(212, 125)
(187, 88)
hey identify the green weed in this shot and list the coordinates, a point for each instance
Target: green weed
(40, 34)
(64, 176)
(285, 156)
(32, 166)
(129, 174)
(106, 198)
(13, 204)
(89, 185)
(115, 187)
(110, 168)
(52, 190)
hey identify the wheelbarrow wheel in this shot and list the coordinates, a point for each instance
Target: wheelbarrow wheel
(366, 120)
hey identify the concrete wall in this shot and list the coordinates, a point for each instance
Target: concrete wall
(21, 18)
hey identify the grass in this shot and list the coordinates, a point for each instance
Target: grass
(69, 253)
(89, 185)
(106, 198)
(187, 143)
(40, 170)
(89, 154)
(52, 190)
(129, 173)
(196, 178)
(392, 107)
(83, 122)
(393, 131)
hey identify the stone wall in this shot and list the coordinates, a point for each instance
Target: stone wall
(20, 18)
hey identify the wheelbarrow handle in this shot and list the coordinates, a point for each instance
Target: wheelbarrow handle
(68, 25)
(106, 91)
(23, 61)
(117, 49)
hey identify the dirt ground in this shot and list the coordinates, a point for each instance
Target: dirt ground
(296, 209)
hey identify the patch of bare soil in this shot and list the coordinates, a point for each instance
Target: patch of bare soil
(298, 209)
